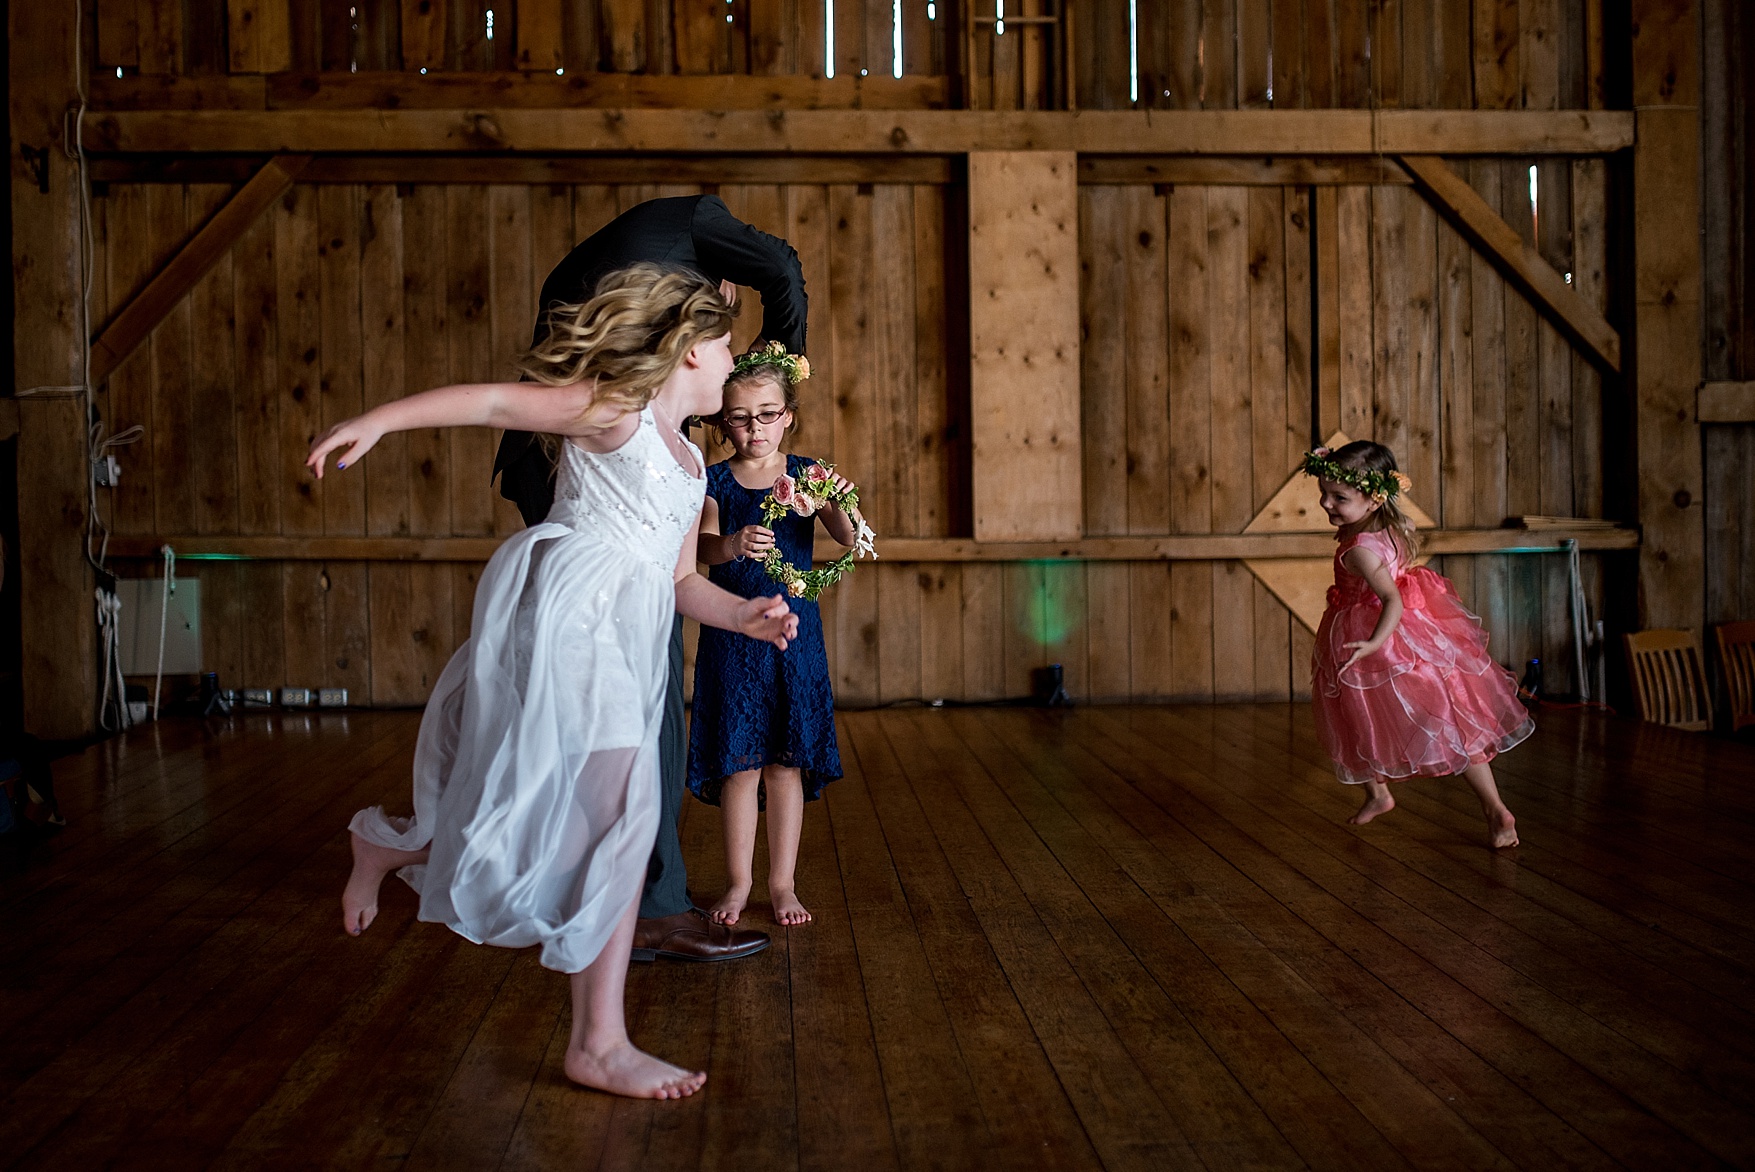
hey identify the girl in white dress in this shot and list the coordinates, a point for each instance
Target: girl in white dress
(536, 774)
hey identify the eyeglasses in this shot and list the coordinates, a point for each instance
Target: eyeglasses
(743, 419)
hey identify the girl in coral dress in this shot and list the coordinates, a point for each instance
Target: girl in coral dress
(1402, 682)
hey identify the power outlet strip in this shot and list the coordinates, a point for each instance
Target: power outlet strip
(258, 697)
(332, 698)
(296, 698)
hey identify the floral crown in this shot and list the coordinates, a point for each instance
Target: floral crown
(1379, 486)
(796, 367)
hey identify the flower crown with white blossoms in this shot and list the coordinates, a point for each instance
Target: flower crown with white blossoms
(814, 489)
(1378, 486)
(795, 367)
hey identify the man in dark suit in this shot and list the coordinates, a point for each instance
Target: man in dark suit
(696, 232)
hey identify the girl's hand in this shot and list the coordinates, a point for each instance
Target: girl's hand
(1360, 651)
(357, 432)
(768, 619)
(752, 541)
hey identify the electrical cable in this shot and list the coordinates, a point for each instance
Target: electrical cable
(164, 611)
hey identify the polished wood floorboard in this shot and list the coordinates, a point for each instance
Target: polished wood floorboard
(1112, 938)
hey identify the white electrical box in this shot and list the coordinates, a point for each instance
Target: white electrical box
(139, 621)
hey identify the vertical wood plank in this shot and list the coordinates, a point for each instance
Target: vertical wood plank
(424, 34)
(173, 438)
(304, 586)
(810, 230)
(1255, 72)
(1144, 318)
(1299, 288)
(1105, 391)
(891, 364)
(259, 33)
(347, 630)
(850, 288)
(983, 631)
(1190, 387)
(213, 386)
(898, 628)
(1150, 619)
(161, 39)
(1218, 35)
(263, 600)
(426, 363)
(935, 448)
(623, 25)
(1233, 488)
(1023, 270)
(1270, 316)
(1589, 266)
(300, 332)
(511, 304)
(1191, 630)
(1456, 500)
(388, 511)
(1352, 309)
(130, 261)
(1421, 458)
(118, 34)
(941, 631)
(1390, 368)
(261, 481)
(342, 394)
(1107, 639)
(469, 336)
(1064, 625)
(540, 35)
(1327, 288)
(1498, 70)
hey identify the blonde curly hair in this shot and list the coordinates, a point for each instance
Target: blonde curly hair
(630, 336)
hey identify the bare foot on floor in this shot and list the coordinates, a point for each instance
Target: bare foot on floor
(730, 906)
(629, 1071)
(371, 862)
(1374, 807)
(1502, 829)
(787, 909)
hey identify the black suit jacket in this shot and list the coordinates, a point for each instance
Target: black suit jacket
(692, 231)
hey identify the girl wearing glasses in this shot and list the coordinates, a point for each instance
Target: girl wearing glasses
(762, 729)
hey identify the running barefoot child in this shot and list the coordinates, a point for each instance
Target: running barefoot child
(536, 772)
(1403, 684)
(762, 728)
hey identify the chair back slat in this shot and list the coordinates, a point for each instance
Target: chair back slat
(1736, 657)
(1669, 681)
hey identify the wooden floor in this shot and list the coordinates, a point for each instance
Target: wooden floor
(1119, 938)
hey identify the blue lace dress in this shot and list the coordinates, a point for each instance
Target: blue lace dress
(756, 705)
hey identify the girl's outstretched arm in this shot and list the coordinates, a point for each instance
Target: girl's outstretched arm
(843, 527)
(767, 619)
(516, 406)
(1376, 573)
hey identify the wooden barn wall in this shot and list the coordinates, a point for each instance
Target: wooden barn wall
(1213, 54)
(1196, 400)
(1728, 303)
(1198, 403)
(342, 297)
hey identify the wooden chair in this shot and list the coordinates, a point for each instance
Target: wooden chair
(1736, 659)
(1668, 682)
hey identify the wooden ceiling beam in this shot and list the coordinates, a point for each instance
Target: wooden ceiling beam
(889, 132)
(135, 321)
(1519, 261)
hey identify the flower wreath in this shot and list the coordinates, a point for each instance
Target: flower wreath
(814, 489)
(1379, 486)
(796, 367)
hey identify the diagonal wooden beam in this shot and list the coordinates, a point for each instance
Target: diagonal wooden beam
(1521, 264)
(135, 321)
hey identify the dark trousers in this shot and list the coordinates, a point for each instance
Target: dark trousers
(667, 880)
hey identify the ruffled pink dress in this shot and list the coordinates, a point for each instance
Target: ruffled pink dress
(1429, 702)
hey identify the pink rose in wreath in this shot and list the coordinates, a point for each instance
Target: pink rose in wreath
(803, 504)
(785, 490)
(816, 474)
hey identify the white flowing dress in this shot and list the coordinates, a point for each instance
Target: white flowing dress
(536, 771)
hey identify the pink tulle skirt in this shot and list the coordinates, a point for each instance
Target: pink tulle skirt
(1430, 702)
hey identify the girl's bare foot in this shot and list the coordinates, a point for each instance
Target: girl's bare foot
(787, 909)
(371, 862)
(1376, 804)
(1502, 829)
(730, 906)
(627, 1070)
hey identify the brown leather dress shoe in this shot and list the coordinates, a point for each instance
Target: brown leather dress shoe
(691, 935)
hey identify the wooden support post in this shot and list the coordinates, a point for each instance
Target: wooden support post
(1024, 345)
(135, 321)
(59, 633)
(1667, 343)
(1520, 263)
(1726, 402)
